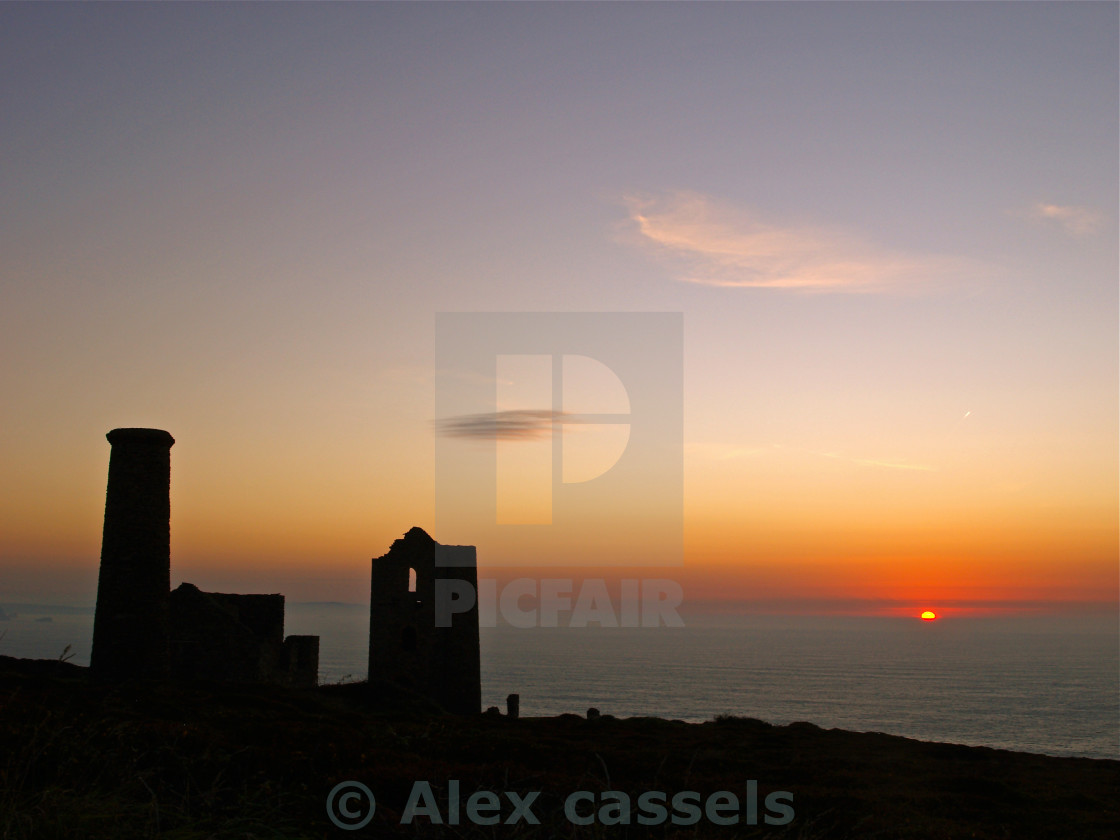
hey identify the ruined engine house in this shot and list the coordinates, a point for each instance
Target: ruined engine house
(423, 621)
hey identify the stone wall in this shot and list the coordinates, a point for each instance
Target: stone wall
(237, 638)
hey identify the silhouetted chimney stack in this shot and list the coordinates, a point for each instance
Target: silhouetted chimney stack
(130, 628)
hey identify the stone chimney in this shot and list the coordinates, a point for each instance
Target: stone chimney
(130, 627)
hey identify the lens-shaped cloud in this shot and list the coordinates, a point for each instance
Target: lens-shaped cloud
(500, 425)
(719, 244)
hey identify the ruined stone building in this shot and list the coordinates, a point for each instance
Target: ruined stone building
(238, 638)
(143, 630)
(423, 621)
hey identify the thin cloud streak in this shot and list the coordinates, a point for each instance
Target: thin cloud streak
(724, 245)
(500, 425)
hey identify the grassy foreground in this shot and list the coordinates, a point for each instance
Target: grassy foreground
(79, 760)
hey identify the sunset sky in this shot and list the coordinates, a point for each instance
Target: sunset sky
(890, 230)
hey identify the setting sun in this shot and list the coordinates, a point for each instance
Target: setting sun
(929, 615)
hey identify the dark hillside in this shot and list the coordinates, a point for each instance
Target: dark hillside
(80, 760)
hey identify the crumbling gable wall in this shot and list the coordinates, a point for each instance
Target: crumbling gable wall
(410, 645)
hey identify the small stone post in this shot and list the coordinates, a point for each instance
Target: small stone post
(513, 706)
(130, 626)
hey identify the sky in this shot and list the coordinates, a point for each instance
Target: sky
(890, 231)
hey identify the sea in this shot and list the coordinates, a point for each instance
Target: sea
(1041, 684)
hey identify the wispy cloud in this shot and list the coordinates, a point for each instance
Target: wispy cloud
(1076, 221)
(724, 245)
(500, 425)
